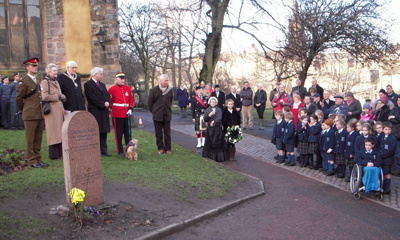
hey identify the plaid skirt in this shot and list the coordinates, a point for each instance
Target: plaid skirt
(302, 147)
(312, 147)
(339, 158)
(349, 162)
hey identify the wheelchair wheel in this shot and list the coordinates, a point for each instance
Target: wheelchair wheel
(356, 179)
(381, 180)
(357, 195)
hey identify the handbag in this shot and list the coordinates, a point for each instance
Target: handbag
(46, 104)
(202, 123)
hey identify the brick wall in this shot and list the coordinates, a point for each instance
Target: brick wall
(54, 22)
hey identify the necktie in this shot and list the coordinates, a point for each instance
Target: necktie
(98, 84)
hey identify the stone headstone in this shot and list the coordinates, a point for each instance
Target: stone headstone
(81, 156)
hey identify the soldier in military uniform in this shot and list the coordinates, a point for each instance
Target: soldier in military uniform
(121, 108)
(199, 105)
(29, 102)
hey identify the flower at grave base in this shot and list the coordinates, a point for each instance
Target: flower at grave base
(76, 195)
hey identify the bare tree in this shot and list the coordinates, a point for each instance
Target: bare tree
(143, 33)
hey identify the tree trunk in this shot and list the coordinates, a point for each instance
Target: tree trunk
(214, 39)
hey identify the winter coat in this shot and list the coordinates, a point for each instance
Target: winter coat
(183, 97)
(160, 103)
(260, 97)
(247, 96)
(96, 97)
(382, 113)
(53, 120)
(395, 121)
(356, 110)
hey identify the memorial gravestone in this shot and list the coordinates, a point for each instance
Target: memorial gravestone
(81, 155)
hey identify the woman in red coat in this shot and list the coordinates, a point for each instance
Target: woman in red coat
(295, 108)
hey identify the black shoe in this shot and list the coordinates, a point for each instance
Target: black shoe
(292, 164)
(13, 128)
(106, 154)
(386, 192)
(321, 170)
(36, 165)
(347, 179)
(281, 161)
(340, 176)
(330, 174)
(287, 163)
(44, 164)
(122, 154)
(276, 157)
(21, 128)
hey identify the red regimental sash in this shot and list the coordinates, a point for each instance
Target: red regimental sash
(201, 101)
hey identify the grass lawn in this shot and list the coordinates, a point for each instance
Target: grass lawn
(185, 172)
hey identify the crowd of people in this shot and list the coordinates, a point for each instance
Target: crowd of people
(328, 135)
(45, 104)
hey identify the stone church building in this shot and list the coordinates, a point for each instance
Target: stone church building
(58, 31)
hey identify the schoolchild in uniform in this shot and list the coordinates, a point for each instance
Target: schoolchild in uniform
(322, 136)
(320, 115)
(313, 137)
(388, 147)
(370, 159)
(277, 135)
(349, 151)
(378, 130)
(288, 139)
(366, 131)
(302, 131)
(359, 125)
(340, 145)
(329, 145)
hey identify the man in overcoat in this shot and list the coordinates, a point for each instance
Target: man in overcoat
(28, 100)
(98, 102)
(160, 105)
(354, 106)
(70, 84)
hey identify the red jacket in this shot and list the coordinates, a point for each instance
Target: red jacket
(121, 100)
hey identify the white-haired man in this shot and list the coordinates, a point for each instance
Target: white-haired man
(237, 103)
(70, 84)
(98, 102)
(160, 105)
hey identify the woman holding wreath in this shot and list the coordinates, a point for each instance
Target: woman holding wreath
(230, 118)
(199, 105)
(215, 145)
(51, 92)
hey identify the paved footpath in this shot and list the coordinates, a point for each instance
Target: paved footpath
(261, 149)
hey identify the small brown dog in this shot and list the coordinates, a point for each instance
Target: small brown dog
(131, 150)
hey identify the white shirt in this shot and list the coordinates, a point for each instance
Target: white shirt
(32, 77)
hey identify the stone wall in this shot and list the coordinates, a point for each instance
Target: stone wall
(104, 13)
(54, 22)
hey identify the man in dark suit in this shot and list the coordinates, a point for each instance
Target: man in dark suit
(160, 105)
(314, 84)
(299, 89)
(220, 95)
(237, 103)
(98, 101)
(70, 84)
(28, 100)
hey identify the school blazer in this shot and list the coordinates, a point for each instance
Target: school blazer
(363, 158)
(340, 141)
(350, 144)
(360, 143)
(302, 133)
(329, 141)
(388, 149)
(279, 130)
(322, 140)
(288, 136)
(315, 131)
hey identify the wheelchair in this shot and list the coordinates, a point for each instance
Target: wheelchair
(357, 186)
